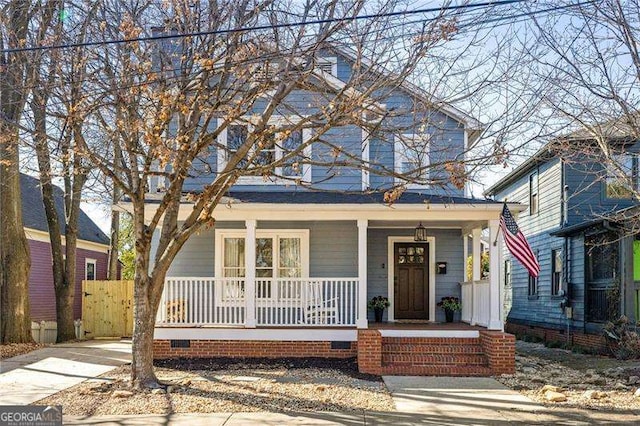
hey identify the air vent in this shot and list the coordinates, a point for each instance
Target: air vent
(340, 345)
(181, 343)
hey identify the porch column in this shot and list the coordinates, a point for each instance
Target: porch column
(250, 274)
(465, 249)
(476, 251)
(361, 321)
(495, 257)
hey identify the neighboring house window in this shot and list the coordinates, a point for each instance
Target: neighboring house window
(412, 158)
(533, 283)
(556, 272)
(601, 260)
(507, 273)
(534, 201)
(279, 146)
(620, 177)
(90, 269)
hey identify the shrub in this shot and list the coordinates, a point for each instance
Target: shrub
(622, 341)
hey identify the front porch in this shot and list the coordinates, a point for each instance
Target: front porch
(300, 287)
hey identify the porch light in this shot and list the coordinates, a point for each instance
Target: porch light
(420, 233)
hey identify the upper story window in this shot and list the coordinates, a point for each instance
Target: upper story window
(90, 269)
(621, 176)
(534, 200)
(412, 158)
(277, 146)
(556, 272)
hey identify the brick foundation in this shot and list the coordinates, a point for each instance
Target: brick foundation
(500, 350)
(576, 338)
(251, 349)
(370, 351)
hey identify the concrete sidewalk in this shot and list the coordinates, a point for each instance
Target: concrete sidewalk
(30, 377)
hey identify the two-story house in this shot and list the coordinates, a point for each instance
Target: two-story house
(288, 272)
(589, 260)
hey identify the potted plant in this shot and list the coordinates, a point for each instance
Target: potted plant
(379, 304)
(450, 305)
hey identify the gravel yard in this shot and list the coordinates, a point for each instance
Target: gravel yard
(14, 349)
(587, 381)
(225, 385)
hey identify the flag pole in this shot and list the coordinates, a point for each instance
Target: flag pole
(495, 242)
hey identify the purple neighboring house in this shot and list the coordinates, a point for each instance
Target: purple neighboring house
(92, 251)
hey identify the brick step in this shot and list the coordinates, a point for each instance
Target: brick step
(431, 359)
(432, 349)
(437, 370)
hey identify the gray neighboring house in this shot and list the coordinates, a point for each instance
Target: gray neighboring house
(590, 262)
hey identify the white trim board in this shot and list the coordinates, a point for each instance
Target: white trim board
(43, 236)
(463, 334)
(270, 334)
(391, 240)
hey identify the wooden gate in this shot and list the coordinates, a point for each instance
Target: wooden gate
(107, 309)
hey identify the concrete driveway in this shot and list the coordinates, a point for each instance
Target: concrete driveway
(30, 377)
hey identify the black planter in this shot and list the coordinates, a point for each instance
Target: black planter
(378, 314)
(448, 313)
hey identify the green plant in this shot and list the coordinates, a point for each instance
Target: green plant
(623, 342)
(379, 302)
(450, 303)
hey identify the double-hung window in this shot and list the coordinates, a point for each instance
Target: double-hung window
(280, 254)
(412, 158)
(533, 283)
(534, 200)
(90, 269)
(619, 182)
(286, 146)
(556, 272)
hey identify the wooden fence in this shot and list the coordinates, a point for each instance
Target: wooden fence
(107, 309)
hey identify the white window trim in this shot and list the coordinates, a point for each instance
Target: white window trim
(333, 60)
(94, 262)
(259, 180)
(399, 146)
(303, 234)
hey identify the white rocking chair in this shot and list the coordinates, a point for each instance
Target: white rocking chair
(318, 309)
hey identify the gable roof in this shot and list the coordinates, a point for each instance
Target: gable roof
(34, 217)
(474, 126)
(619, 130)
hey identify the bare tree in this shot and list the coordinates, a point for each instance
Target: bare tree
(168, 101)
(20, 22)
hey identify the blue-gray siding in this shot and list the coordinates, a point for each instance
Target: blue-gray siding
(333, 252)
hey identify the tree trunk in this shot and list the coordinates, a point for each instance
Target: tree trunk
(15, 323)
(144, 313)
(64, 313)
(115, 244)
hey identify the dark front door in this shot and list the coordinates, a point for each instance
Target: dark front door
(411, 281)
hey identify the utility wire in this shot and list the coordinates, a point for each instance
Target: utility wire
(263, 27)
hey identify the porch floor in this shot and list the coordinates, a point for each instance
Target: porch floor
(425, 325)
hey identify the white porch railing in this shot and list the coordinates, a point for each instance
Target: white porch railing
(279, 302)
(475, 302)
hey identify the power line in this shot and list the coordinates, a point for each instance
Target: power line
(263, 27)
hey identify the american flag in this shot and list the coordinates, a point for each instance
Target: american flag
(517, 243)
